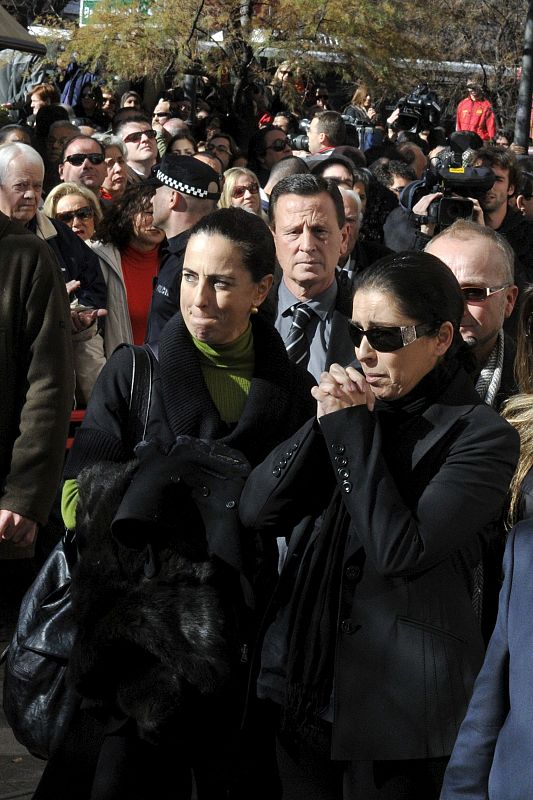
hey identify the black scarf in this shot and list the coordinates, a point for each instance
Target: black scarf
(313, 624)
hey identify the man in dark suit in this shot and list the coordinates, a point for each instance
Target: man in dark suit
(307, 220)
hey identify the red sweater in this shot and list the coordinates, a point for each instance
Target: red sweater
(139, 270)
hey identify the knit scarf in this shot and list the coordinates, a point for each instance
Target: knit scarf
(490, 377)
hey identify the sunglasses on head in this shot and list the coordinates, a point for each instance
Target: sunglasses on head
(279, 145)
(240, 191)
(81, 213)
(138, 135)
(77, 159)
(388, 339)
(478, 294)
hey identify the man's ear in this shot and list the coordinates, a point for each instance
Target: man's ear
(520, 203)
(60, 170)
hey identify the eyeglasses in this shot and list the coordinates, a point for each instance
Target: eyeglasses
(240, 191)
(222, 148)
(138, 135)
(77, 159)
(478, 294)
(86, 212)
(279, 145)
(389, 339)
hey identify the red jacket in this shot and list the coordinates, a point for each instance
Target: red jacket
(477, 116)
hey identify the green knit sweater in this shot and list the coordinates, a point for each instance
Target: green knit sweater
(227, 371)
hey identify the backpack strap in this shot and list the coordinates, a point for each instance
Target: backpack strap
(143, 361)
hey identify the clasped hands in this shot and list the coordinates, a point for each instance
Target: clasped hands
(342, 388)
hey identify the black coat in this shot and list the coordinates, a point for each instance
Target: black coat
(409, 644)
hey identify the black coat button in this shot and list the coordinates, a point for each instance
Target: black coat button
(283, 462)
(347, 626)
(205, 491)
(343, 473)
(347, 486)
(288, 454)
(341, 461)
(231, 504)
(338, 448)
(352, 573)
(276, 472)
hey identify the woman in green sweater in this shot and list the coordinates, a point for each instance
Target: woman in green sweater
(222, 376)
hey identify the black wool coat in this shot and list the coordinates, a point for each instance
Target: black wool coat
(409, 645)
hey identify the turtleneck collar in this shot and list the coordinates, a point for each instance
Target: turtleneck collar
(234, 356)
(423, 395)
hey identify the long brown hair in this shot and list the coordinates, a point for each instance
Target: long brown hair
(518, 411)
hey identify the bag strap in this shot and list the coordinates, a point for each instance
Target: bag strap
(143, 359)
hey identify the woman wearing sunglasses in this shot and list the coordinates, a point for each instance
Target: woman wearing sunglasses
(76, 206)
(373, 640)
(241, 190)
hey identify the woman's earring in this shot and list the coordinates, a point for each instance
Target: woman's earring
(254, 310)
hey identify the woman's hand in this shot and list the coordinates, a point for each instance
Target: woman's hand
(342, 388)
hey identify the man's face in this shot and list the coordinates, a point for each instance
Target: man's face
(161, 113)
(315, 142)
(274, 151)
(162, 206)
(476, 262)
(87, 174)
(498, 196)
(57, 138)
(20, 193)
(141, 150)
(109, 104)
(398, 183)
(308, 241)
(351, 212)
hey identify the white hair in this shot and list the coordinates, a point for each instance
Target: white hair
(355, 197)
(16, 152)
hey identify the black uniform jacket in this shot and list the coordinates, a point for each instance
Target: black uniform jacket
(408, 644)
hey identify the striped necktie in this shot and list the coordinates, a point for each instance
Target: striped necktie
(296, 344)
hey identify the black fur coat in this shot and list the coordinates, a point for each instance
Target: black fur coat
(160, 606)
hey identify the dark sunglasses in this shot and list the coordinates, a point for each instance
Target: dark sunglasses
(81, 213)
(240, 191)
(478, 294)
(389, 339)
(279, 145)
(137, 135)
(161, 114)
(77, 159)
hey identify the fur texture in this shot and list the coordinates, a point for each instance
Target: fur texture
(147, 646)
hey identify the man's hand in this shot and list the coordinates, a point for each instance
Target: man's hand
(84, 318)
(17, 529)
(477, 212)
(342, 388)
(421, 210)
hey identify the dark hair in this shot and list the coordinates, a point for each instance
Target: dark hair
(502, 157)
(423, 288)
(126, 115)
(385, 172)
(7, 129)
(182, 135)
(332, 124)
(248, 232)
(525, 184)
(306, 186)
(46, 116)
(117, 226)
(75, 139)
(292, 165)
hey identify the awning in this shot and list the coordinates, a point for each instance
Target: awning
(14, 37)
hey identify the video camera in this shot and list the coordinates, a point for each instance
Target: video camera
(300, 141)
(457, 182)
(418, 110)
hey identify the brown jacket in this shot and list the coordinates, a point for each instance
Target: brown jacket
(36, 373)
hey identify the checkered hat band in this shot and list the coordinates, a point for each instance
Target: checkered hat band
(179, 186)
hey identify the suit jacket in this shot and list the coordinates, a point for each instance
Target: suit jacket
(492, 755)
(409, 644)
(341, 349)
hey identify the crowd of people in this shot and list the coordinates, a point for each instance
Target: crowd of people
(290, 552)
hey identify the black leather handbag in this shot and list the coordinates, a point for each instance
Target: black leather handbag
(38, 701)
